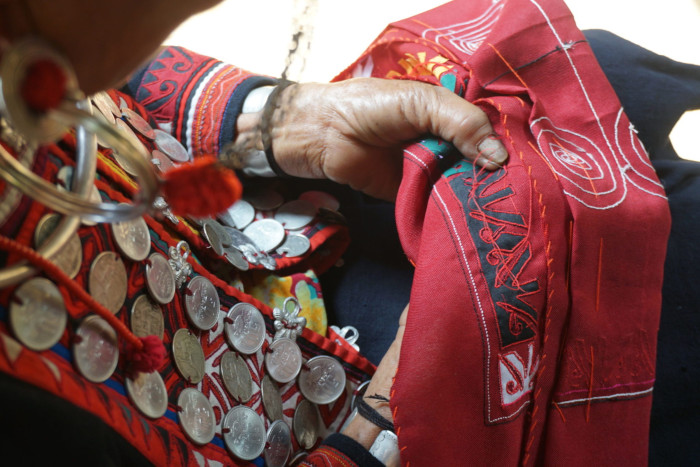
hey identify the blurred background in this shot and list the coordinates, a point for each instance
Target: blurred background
(256, 35)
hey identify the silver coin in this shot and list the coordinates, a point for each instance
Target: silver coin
(239, 215)
(101, 101)
(196, 416)
(107, 280)
(69, 258)
(272, 399)
(295, 214)
(160, 279)
(38, 314)
(122, 103)
(279, 444)
(137, 122)
(294, 245)
(96, 351)
(133, 238)
(170, 146)
(238, 239)
(321, 199)
(216, 236)
(322, 380)
(267, 261)
(305, 424)
(147, 392)
(105, 100)
(202, 303)
(236, 375)
(263, 200)
(245, 328)
(283, 360)
(266, 234)
(236, 258)
(244, 432)
(128, 133)
(147, 318)
(162, 162)
(188, 356)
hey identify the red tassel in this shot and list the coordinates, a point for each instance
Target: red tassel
(148, 358)
(44, 85)
(201, 189)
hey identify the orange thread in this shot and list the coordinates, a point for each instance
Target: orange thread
(508, 65)
(546, 161)
(561, 413)
(600, 271)
(590, 388)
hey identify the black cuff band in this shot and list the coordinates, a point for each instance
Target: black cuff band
(266, 123)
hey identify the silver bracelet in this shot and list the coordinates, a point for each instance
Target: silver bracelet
(386, 448)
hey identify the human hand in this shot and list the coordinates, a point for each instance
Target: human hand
(353, 131)
(361, 430)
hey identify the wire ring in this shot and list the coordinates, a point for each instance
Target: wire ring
(83, 178)
(71, 204)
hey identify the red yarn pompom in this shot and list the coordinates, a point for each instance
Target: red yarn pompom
(44, 85)
(147, 359)
(202, 188)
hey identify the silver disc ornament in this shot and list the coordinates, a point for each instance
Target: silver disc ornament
(133, 238)
(147, 392)
(244, 432)
(38, 314)
(236, 375)
(96, 349)
(107, 281)
(322, 380)
(306, 424)
(272, 399)
(283, 360)
(279, 444)
(196, 416)
(188, 356)
(70, 257)
(202, 303)
(266, 234)
(160, 279)
(245, 328)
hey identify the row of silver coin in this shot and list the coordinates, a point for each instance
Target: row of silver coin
(97, 338)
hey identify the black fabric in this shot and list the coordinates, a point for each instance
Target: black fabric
(42, 429)
(354, 450)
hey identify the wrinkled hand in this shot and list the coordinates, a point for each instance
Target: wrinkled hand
(364, 431)
(353, 131)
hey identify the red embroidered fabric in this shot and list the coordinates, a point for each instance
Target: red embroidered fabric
(539, 345)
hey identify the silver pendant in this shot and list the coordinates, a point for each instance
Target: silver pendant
(178, 262)
(288, 323)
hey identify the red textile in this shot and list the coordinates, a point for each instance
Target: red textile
(531, 334)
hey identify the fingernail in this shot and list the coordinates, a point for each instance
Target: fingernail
(491, 149)
(487, 164)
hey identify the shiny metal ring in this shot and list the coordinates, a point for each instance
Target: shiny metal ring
(83, 179)
(72, 204)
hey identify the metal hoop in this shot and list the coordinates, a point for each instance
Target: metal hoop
(71, 204)
(83, 178)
